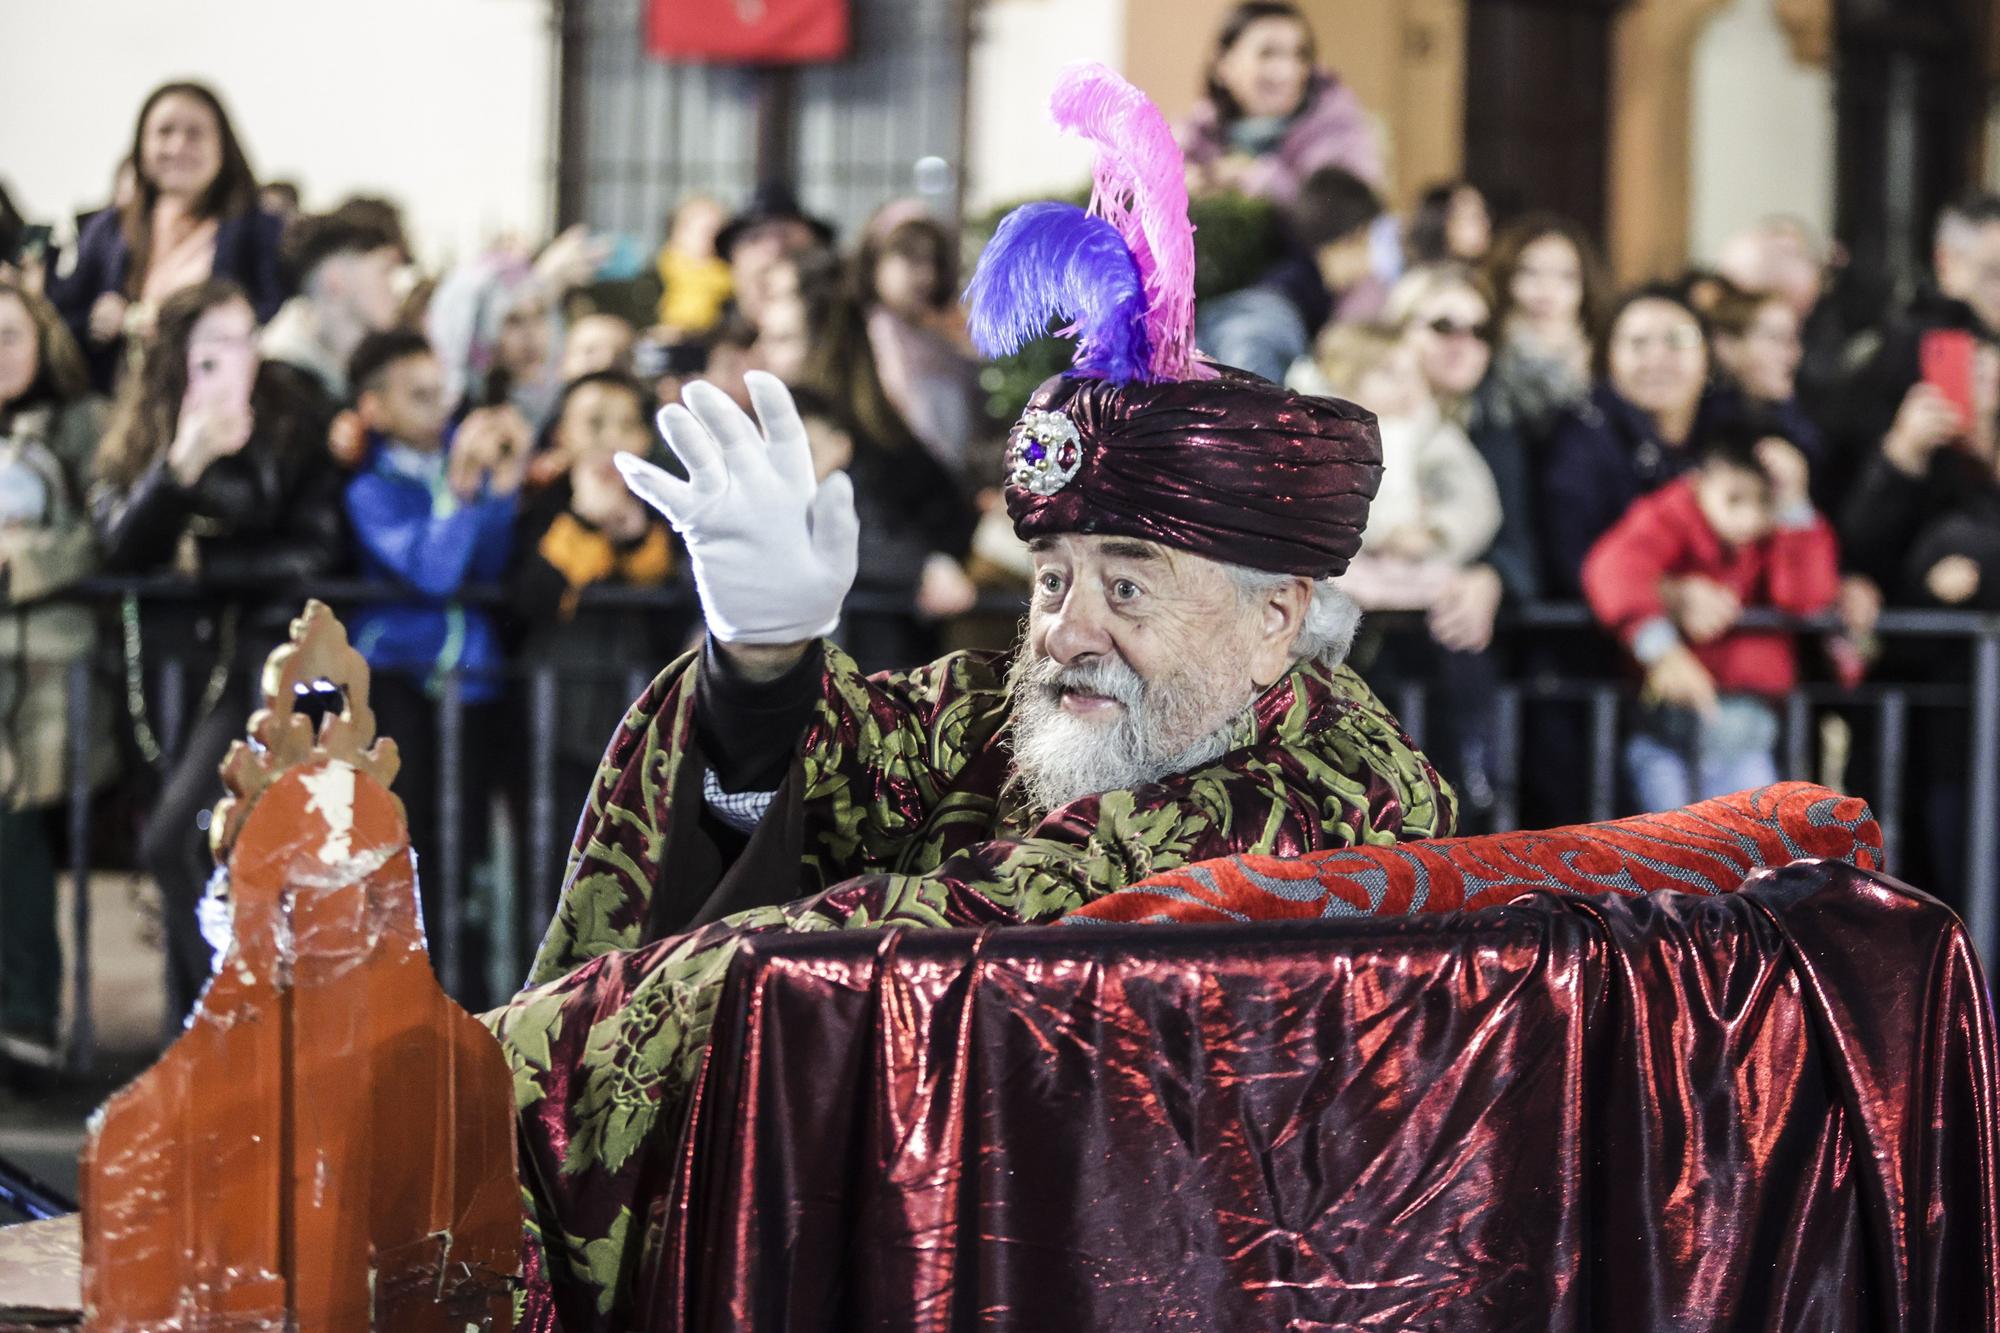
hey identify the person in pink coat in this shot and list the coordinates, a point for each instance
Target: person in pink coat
(1271, 116)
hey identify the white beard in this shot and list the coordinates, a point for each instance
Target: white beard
(1161, 730)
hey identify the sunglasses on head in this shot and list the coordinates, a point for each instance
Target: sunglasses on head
(1451, 328)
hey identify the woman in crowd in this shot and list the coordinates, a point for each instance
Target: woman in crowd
(908, 276)
(1444, 313)
(1632, 434)
(211, 468)
(496, 330)
(496, 322)
(1451, 224)
(769, 229)
(1549, 289)
(916, 521)
(1270, 116)
(192, 214)
(1432, 522)
(49, 425)
(1757, 353)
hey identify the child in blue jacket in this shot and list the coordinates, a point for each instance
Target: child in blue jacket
(433, 511)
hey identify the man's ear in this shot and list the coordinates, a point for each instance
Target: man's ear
(368, 406)
(1281, 614)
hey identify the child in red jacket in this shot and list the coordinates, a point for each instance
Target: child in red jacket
(1736, 532)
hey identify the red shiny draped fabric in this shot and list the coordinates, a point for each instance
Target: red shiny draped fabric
(1767, 1110)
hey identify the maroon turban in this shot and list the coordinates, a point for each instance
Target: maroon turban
(1234, 468)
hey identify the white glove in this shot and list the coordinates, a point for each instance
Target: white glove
(773, 552)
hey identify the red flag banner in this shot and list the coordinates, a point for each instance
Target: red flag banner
(751, 32)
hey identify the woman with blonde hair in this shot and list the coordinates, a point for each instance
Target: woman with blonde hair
(1445, 313)
(1432, 527)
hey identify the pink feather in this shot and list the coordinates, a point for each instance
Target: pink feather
(1140, 187)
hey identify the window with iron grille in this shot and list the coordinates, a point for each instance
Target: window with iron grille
(635, 133)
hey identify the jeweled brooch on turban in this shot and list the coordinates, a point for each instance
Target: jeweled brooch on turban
(1045, 452)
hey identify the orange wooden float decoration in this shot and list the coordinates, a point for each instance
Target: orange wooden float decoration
(330, 1143)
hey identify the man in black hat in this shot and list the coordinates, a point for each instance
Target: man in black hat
(770, 228)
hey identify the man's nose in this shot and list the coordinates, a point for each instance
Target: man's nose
(1077, 630)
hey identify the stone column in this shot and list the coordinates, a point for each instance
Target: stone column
(1652, 68)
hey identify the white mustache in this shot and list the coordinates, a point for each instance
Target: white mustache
(1108, 677)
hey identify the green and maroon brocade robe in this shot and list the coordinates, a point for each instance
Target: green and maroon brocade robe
(897, 811)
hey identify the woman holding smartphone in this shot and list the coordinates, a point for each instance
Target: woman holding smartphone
(214, 469)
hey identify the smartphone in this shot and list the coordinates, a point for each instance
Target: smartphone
(1945, 358)
(498, 389)
(34, 242)
(221, 376)
(651, 360)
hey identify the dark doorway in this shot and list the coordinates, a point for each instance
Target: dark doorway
(1537, 111)
(1911, 96)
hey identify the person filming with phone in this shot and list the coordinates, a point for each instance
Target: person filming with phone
(215, 469)
(1923, 522)
(433, 510)
(1890, 391)
(1935, 469)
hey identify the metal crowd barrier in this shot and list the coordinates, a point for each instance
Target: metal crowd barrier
(550, 813)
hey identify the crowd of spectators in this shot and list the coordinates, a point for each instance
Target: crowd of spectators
(210, 382)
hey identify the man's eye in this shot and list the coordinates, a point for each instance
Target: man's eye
(1124, 590)
(1050, 582)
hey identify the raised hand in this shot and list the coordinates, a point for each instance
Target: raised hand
(1679, 678)
(773, 552)
(205, 433)
(1702, 609)
(1926, 422)
(1789, 472)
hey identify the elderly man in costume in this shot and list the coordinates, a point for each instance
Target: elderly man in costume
(1178, 694)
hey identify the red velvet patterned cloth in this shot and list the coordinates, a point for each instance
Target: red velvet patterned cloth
(1706, 848)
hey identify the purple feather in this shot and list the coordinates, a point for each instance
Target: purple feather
(1051, 260)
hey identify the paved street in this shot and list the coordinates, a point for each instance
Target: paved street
(42, 1130)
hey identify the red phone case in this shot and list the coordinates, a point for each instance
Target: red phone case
(1946, 358)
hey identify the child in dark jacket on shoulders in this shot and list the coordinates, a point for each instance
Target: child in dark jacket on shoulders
(1742, 531)
(432, 511)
